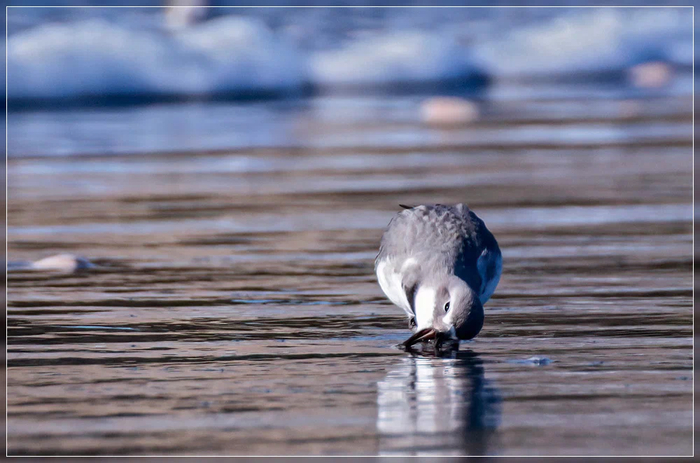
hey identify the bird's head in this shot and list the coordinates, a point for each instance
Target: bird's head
(446, 310)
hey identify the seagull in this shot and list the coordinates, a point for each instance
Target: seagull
(440, 264)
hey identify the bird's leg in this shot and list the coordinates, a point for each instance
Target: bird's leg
(444, 344)
(411, 323)
(438, 343)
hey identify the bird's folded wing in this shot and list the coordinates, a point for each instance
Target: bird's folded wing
(399, 284)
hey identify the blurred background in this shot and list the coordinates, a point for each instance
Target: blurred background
(316, 68)
(215, 181)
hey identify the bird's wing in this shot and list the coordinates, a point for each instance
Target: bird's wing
(399, 283)
(478, 258)
(489, 265)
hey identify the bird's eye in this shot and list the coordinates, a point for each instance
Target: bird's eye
(447, 307)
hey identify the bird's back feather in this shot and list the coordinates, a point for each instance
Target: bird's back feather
(443, 239)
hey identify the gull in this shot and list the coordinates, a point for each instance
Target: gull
(440, 264)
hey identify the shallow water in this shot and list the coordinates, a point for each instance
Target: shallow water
(233, 307)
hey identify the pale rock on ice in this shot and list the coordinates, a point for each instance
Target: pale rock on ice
(448, 111)
(62, 262)
(653, 74)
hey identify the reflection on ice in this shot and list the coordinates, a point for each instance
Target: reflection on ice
(437, 406)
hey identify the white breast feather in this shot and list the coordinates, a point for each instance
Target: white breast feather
(425, 307)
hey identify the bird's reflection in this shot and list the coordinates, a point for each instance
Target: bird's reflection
(438, 405)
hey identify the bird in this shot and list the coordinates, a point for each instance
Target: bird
(440, 264)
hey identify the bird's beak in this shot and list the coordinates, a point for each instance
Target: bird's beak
(422, 335)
